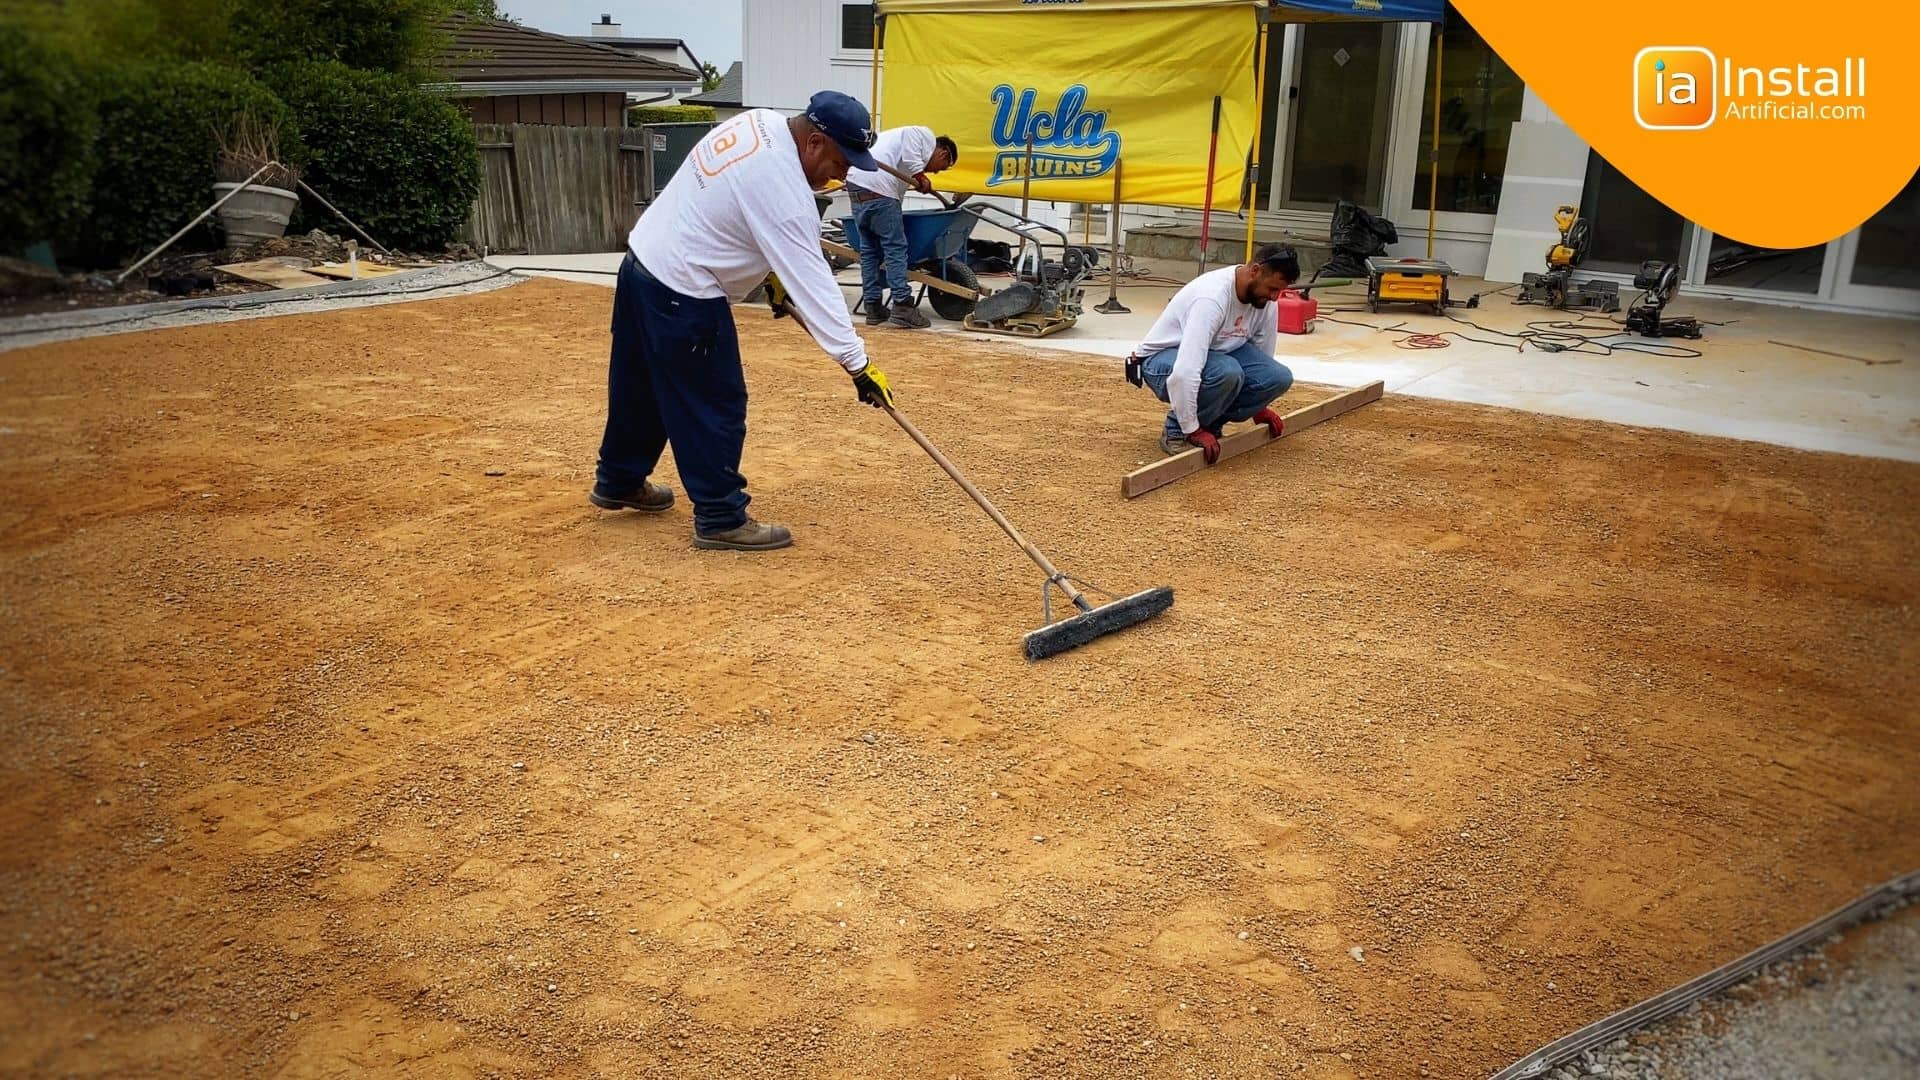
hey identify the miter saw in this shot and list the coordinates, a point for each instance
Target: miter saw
(1556, 288)
(1658, 282)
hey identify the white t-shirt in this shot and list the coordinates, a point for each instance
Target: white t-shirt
(737, 207)
(905, 148)
(1205, 316)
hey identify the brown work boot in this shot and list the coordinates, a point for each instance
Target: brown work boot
(908, 317)
(652, 498)
(752, 536)
(876, 313)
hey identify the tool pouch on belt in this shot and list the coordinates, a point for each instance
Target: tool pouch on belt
(1133, 370)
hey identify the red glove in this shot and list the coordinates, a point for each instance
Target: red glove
(1270, 418)
(921, 184)
(1208, 444)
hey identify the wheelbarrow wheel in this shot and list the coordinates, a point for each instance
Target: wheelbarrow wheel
(945, 304)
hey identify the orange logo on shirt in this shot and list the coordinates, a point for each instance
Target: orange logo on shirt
(724, 148)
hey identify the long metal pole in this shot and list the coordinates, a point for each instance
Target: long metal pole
(1206, 215)
(878, 22)
(336, 213)
(1026, 191)
(148, 257)
(1259, 101)
(1113, 306)
(1433, 148)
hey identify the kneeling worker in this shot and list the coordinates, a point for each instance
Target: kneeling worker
(739, 206)
(1210, 354)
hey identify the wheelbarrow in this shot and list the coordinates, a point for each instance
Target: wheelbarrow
(936, 258)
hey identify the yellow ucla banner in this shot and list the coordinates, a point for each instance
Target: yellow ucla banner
(1094, 91)
(892, 7)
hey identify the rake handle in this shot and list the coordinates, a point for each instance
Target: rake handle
(940, 459)
(909, 181)
(1054, 576)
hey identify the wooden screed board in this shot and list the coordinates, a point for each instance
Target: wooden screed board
(1161, 473)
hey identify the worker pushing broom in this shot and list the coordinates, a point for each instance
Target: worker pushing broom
(742, 207)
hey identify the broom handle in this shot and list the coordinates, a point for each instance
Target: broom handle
(993, 512)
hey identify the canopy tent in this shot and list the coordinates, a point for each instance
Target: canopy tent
(1162, 82)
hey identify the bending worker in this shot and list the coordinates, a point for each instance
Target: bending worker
(1210, 354)
(876, 196)
(739, 206)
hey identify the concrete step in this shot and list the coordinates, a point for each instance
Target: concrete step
(1225, 247)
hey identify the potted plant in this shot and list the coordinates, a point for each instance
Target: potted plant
(250, 157)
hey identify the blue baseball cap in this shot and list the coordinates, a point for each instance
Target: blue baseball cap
(847, 122)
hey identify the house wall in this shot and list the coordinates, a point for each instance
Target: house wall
(569, 110)
(791, 48)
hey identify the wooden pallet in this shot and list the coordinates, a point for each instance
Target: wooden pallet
(282, 272)
(1161, 473)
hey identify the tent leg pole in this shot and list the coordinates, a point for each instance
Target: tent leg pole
(1259, 103)
(1113, 306)
(878, 22)
(1433, 147)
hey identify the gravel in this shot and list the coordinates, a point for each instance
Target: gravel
(1835, 1014)
(450, 279)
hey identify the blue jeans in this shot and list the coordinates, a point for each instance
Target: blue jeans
(883, 251)
(675, 376)
(1233, 386)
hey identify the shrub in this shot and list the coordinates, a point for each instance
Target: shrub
(398, 160)
(669, 114)
(46, 141)
(160, 130)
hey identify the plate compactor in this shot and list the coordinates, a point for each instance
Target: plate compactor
(1046, 293)
(1556, 288)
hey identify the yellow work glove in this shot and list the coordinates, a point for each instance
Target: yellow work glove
(776, 296)
(871, 385)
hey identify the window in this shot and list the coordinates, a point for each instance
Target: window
(1479, 101)
(1629, 226)
(856, 27)
(1888, 241)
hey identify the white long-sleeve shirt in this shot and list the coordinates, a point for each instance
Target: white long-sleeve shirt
(1205, 316)
(737, 207)
(905, 148)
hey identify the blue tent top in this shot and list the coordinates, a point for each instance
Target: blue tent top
(1380, 10)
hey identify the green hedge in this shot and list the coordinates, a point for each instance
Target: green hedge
(400, 161)
(159, 131)
(669, 114)
(46, 139)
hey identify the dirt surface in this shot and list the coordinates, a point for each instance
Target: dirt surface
(329, 752)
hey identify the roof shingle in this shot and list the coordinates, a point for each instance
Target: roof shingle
(484, 51)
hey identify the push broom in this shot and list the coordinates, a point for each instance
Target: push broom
(1090, 621)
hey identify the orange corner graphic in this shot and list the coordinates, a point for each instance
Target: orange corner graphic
(1764, 121)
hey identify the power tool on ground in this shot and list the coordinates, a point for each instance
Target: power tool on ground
(1556, 288)
(1658, 282)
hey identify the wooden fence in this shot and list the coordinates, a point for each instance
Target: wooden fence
(549, 190)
